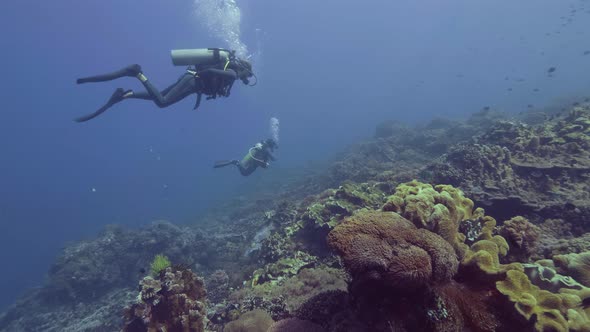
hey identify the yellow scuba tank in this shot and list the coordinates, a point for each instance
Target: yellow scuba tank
(200, 56)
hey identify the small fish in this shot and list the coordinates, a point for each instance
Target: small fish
(576, 104)
(586, 52)
(536, 90)
(142, 271)
(529, 106)
(509, 89)
(551, 70)
(486, 108)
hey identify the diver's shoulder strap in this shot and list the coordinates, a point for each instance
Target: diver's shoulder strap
(256, 147)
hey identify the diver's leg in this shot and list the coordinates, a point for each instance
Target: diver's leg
(223, 163)
(117, 96)
(185, 86)
(129, 71)
(243, 170)
(139, 95)
(146, 95)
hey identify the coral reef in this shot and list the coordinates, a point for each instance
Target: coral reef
(522, 237)
(536, 171)
(31, 313)
(439, 209)
(379, 255)
(402, 275)
(217, 285)
(322, 307)
(251, 321)
(411, 256)
(173, 301)
(549, 311)
(295, 325)
(334, 205)
(485, 254)
(574, 265)
(382, 250)
(298, 288)
(87, 270)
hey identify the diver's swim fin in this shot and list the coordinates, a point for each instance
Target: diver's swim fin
(129, 71)
(117, 96)
(223, 163)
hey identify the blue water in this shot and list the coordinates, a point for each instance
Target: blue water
(330, 71)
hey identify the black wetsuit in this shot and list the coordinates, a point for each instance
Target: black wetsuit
(211, 82)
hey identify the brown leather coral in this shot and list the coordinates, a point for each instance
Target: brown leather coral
(385, 248)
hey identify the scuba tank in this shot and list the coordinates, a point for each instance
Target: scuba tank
(198, 59)
(201, 56)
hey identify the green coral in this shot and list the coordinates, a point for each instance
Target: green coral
(439, 209)
(159, 264)
(485, 254)
(530, 301)
(549, 311)
(335, 204)
(282, 269)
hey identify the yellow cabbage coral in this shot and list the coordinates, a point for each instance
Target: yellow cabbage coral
(486, 253)
(439, 209)
(531, 301)
(563, 311)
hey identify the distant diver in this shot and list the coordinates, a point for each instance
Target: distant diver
(259, 155)
(211, 72)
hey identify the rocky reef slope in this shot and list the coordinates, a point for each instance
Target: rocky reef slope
(480, 225)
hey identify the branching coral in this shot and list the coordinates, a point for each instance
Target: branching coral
(217, 286)
(175, 301)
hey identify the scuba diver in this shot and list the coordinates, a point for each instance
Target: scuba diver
(211, 72)
(258, 155)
